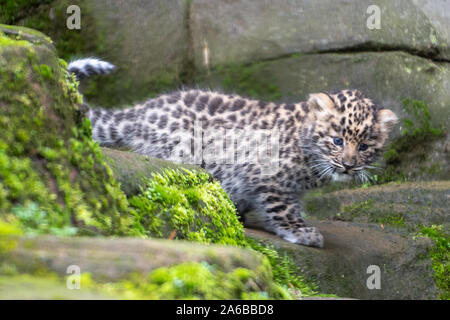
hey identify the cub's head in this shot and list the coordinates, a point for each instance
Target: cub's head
(347, 135)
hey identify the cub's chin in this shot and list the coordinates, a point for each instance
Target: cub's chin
(341, 177)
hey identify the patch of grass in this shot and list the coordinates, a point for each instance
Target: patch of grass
(366, 209)
(440, 255)
(187, 281)
(413, 143)
(246, 80)
(284, 270)
(192, 280)
(394, 219)
(33, 220)
(12, 10)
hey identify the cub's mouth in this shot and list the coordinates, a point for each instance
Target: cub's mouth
(342, 176)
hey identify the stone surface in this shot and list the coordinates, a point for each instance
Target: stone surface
(132, 170)
(406, 206)
(372, 226)
(386, 77)
(146, 40)
(240, 31)
(40, 267)
(113, 259)
(33, 288)
(350, 248)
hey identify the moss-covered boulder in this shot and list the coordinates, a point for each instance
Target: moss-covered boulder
(146, 40)
(52, 174)
(37, 267)
(189, 205)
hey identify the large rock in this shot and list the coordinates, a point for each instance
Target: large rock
(36, 267)
(133, 170)
(341, 266)
(380, 226)
(241, 31)
(51, 171)
(115, 259)
(146, 40)
(407, 206)
(386, 77)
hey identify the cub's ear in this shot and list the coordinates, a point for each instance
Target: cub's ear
(320, 101)
(388, 119)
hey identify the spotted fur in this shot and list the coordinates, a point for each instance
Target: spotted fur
(164, 127)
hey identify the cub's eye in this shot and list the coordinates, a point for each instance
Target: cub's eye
(363, 147)
(338, 141)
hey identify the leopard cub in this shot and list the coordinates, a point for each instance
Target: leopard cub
(331, 136)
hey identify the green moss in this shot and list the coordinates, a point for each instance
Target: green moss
(285, 272)
(7, 229)
(46, 72)
(440, 255)
(34, 221)
(246, 80)
(189, 204)
(67, 42)
(185, 281)
(44, 287)
(413, 144)
(355, 208)
(7, 41)
(192, 280)
(57, 169)
(367, 211)
(395, 219)
(12, 10)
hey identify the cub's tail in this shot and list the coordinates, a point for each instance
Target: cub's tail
(84, 68)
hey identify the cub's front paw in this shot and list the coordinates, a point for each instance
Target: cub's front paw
(308, 236)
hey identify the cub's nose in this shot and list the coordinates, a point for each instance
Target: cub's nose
(348, 166)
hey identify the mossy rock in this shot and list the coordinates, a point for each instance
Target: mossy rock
(50, 167)
(341, 267)
(55, 179)
(30, 287)
(149, 43)
(135, 269)
(191, 205)
(401, 227)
